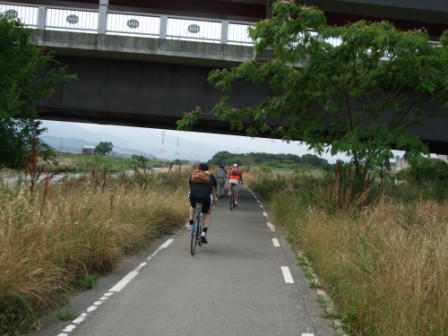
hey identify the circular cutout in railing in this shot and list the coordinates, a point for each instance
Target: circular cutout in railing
(194, 28)
(12, 13)
(133, 23)
(72, 19)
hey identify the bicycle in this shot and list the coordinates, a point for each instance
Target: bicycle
(196, 230)
(232, 196)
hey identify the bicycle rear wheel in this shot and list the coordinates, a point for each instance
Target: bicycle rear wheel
(232, 200)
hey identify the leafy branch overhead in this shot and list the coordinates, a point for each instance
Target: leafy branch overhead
(355, 89)
(28, 74)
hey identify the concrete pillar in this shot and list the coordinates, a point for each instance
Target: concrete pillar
(102, 16)
(163, 26)
(41, 18)
(224, 32)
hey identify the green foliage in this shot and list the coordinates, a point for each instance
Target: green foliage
(16, 136)
(66, 315)
(86, 281)
(103, 148)
(354, 89)
(430, 176)
(428, 171)
(189, 120)
(28, 74)
(65, 162)
(226, 158)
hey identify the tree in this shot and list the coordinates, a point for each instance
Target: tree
(28, 74)
(17, 136)
(354, 89)
(103, 148)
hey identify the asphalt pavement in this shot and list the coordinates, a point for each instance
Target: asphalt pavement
(244, 282)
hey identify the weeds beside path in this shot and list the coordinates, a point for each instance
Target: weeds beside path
(61, 236)
(385, 265)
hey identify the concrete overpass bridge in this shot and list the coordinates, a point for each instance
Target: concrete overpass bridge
(145, 67)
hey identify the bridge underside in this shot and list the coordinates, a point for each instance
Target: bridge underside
(156, 95)
(141, 94)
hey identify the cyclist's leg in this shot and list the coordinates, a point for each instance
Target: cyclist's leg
(192, 214)
(232, 185)
(207, 214)
(207, 219)
(235, 192)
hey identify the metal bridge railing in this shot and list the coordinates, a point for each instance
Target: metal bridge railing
(130, 24)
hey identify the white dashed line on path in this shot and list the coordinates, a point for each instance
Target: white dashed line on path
(287, 275)
(275, 242)
(115, 289)
(271, 226)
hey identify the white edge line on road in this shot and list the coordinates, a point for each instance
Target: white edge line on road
(307, 334)
(275, 242)
(271, 226)
(123, 282)
(265, 214)
(115, 289)
(287, 274)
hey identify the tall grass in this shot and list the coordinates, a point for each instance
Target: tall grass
(385, 266)
(55, 236)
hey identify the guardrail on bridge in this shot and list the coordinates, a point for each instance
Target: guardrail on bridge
(45, 17)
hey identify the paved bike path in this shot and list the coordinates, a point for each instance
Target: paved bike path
(245, 281)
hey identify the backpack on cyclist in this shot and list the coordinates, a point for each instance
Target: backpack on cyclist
(200, 176)
(235, 171)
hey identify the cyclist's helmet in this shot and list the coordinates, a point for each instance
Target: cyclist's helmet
(235, 165)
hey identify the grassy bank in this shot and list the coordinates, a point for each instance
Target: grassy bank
(385, 266)
(67, 162)
(61, 236)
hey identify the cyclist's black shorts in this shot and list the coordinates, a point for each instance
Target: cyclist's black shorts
(205, 204)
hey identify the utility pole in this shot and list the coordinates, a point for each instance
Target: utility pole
(176, 157)
(162, 146)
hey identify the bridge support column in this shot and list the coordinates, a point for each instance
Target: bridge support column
(41, 18)
(163, 26)
(102, 16)
(224, 32)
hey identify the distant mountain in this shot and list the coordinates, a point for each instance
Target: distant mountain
(75, 145)
(69, 137)
(77, 133)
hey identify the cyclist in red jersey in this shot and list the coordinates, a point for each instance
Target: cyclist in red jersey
(235, 178)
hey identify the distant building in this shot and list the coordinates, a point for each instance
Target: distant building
(88, 150)
(443, 157)
(400, 164)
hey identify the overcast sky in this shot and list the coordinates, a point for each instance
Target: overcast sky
(142, 136)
